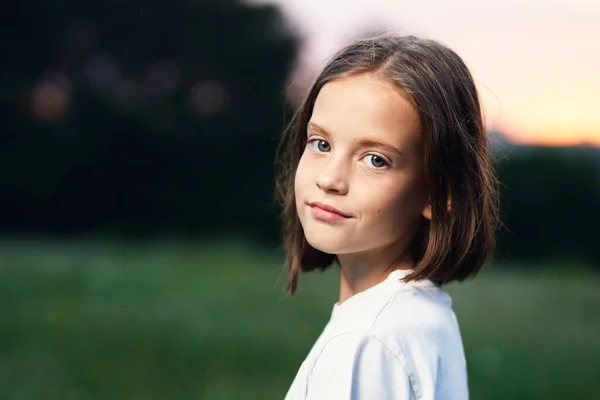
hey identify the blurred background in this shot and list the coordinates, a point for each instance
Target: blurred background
(139, 244)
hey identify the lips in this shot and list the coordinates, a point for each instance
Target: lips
(329, 208)
(327, 213)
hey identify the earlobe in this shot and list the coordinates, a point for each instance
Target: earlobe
(427, 210)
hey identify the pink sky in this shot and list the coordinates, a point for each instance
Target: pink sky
(536, 62)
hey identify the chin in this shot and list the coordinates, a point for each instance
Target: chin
(327, 242)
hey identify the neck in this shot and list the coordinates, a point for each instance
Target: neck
(359, 272)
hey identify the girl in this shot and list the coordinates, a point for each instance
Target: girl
(384, 171)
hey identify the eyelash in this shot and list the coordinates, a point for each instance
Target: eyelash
(313, 145)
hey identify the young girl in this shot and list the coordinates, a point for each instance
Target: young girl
(385, 172)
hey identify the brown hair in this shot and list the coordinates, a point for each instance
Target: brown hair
(453, 245)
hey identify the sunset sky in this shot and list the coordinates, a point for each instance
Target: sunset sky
(536, 62)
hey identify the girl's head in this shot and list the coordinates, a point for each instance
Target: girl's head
(391, 138)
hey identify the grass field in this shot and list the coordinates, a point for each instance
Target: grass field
(97, 320)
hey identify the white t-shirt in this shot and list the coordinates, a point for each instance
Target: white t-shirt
(395, 340)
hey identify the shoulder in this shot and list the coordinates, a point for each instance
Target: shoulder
(418, 314)
(419, 317)
(358, 365)
(412, 341)
(421, 328)
(353, 345)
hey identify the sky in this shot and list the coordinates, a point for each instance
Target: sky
(536, 62)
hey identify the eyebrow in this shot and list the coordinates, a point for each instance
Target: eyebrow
(318, 129)
(363, 142)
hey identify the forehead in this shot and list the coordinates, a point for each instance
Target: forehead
(366, 106)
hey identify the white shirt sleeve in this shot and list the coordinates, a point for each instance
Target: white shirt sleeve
(357, 366)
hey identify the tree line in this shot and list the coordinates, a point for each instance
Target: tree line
(120, 119)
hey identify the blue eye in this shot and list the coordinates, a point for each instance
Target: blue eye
(375, 161)
(320, 145)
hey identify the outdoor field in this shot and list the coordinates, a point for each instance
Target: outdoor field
(102, 320)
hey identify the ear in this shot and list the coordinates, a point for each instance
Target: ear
(427, 210)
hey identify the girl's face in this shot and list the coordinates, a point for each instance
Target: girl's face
(360, 185)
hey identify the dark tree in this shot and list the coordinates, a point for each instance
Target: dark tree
(129, 117)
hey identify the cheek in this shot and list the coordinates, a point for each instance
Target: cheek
(303, 176)
(396, 205)
(300, 173)
(306, 169)
(390, 210)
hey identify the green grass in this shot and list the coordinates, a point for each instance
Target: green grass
(94, 320)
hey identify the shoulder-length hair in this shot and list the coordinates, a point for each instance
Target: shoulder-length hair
(456, 242)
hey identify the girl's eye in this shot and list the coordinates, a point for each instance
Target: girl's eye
(375, 161)
(320, 145)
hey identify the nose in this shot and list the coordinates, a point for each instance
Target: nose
(333, 178)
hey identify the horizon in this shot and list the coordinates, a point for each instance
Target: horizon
(538, 99)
